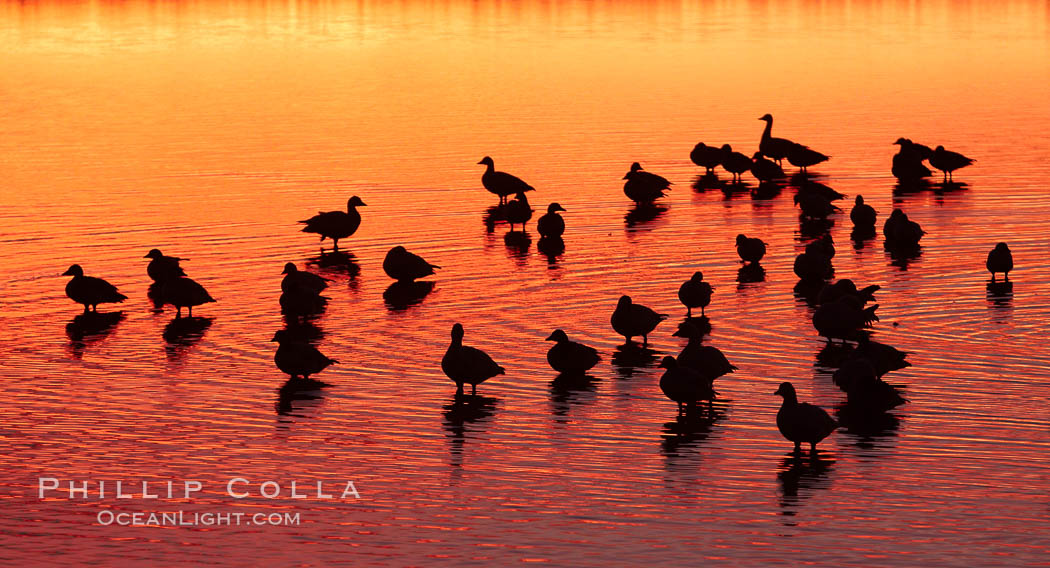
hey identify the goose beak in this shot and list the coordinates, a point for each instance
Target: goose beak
(550, 338)
(481, 162)
(68, 272)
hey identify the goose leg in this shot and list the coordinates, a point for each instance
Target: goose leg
(190, 308)
(798, 447)
(689, 309)
(178, 312)
(473, 389)
(459, 389)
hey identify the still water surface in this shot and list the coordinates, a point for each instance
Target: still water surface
(208, 129)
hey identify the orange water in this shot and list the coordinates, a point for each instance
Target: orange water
(208, 129)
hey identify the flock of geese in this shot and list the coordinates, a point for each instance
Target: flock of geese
(842, 312)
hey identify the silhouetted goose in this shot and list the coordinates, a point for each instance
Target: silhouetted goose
(802, 422)
(570, 357)
(707, 360)
(907, 162)
(843, 318)
(948, 161)
(846, 287)
(803, 157)
(900, 231)
(161, 267)
(862, 214)
(750, 249)
(814, 206)
(184, 293)
(736, 163)
(776, 148)
(813, 265)
(630, 319)
(336, 225)
(518, 211)
(404, 266)
(707, 157)
(823, 244)
(1000, 260)
(695, 293)
(643, 187)
(501, 183)
(764, 169)
(298, 358)
(90, 291)
(465, 364)
(551, 224)
(296, 280)
(684, 385)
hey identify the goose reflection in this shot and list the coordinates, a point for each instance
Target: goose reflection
(903, 256)
(808, 291)
(641, 214)
(705, 182)
(908, 188)
(813, 228)
(518, 244)
(751, 274)
(866, 427)
(949, 187)
(155, 297)
(568, 389)
(1000, 294)
(182, 333)
(702, 325)
(766, 190)
(832, 355)
(690, 429)
(630, 357)
(304, 330)
(299, 398)
(461, 412)
(400, 296)
(336, 263)
(552, 248)
(804, 473)
(861, 236)
(494, 214)
(89, 328)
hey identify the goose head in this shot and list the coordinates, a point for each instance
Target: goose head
(898, 214)
(153, 253)
(487, 161)
(554, 207)
(727, 148)
(686, 329)
(787, 390)
(289, 268)
(939, 149)
(1001, 247)
(624, 302)
(74, 270)
(859, 200)
(668, 362)
(697, 277)
(766, 117)
(281, 336)
(740, 239)
(757, 156)
(457, 332)
(354, 201)
(558, 335)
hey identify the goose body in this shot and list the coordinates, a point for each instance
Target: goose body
(736, 163)
(298, 358)
(1000, 260)
(750, 249)
(813, 265)
(948, 161)
(843, 318)
(707, 157)
(814, 206)
(90, 291)
(884, 358)
(684, 385)
(630, 319)
(765, 170)
(518, 211)
(570, 357)
(296, 280)
(184, 293)
(501, 183)
(802, 422)
(707, 360)
(336, 225)
(405, 266)
(862, 214)
(776, 148)
(900, 231)
(907, 162)
(803, 157)
(846, 287)
(467, 365)
(301, 302)
(551, 225)
(864, 390)
(161, 268)
(695, 293)
(643, 187)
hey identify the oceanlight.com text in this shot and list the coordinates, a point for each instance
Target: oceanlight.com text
(195, 519)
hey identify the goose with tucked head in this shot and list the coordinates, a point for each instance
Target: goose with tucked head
(518, 211)
(405, 266)
(468, 365)
(1000, 259)
(296, 281)
(948, 161)
(736, 163)
(707, 360)
(862, 214)
(684, 385)
(802, 422)
(184, 293)
(551, 225)
(501, 183)
(298, 358)
(802, 157)
(90, 291)
(644, 187)
(630, 319)
(765, 170)
(695, 293)
(161, 268)
(750, 249)
(570, 357)
(336, 225)
(707, 157)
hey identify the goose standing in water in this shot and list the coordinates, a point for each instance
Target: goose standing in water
(843, 318)
(862, 214)
(776, 148)
(801, 421)
(736, 163)
(1000, 260)
(695, 293)
(813, 265)
(184, 293)
(707, 157)
(814, 205)
(643, 187)
(161, 268)
(900, 231)
(803, 157)
(518, 211)
(336, 225)
(298, 358)
(296, 280)
(465, 364)
(570, 357)
(764, 169)
(404, 266)
(907, 162)
(551, 225)
(684, 385)
(90, 291)
(630, 319)
(501, 183)
(751, 250)
(948, 161)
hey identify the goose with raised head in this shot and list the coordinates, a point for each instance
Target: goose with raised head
(862, 214)
(298, 358)
(684, 385)
(695, 293)
(570, 357)
(1000, 259)
(161, 267)
(750, 249)
(776, 148)
(467, 365)
(336, 225)
(736, 163)
(802, 422)
(630, 319)
(501, 183)
(405, 266)
(707, 157)
(296, 280)
(90, 291)
(518, 211)
(644, 187)
(765, 170)
(551, 225)
(907, 162)
(183, 292)
(948, 161)
(803, 157)
(707, 360)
